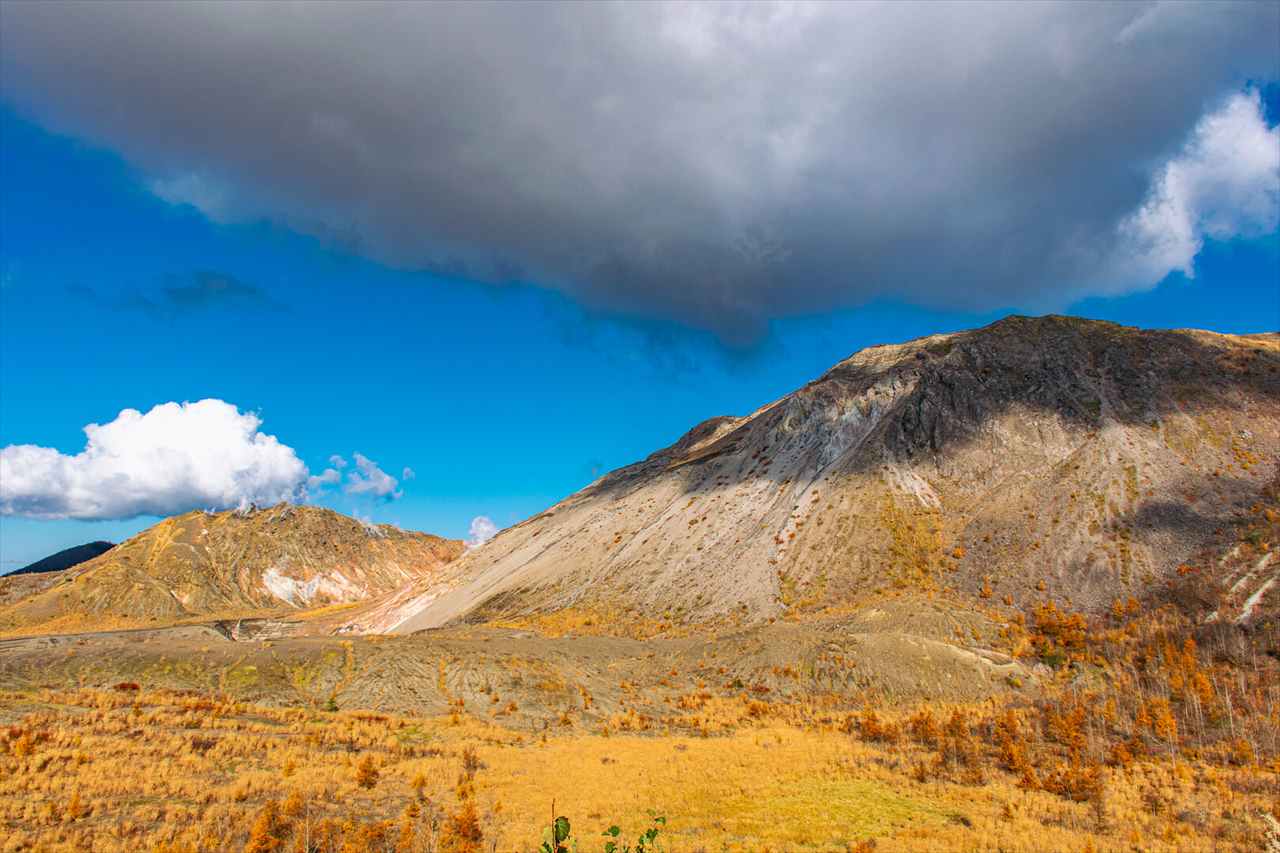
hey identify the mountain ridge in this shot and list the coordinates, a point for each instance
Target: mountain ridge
(1033, 456)
(65, 559)
(284, 559)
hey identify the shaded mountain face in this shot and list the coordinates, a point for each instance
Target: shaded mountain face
(1033, 458)
(237, 563)
(66, 558)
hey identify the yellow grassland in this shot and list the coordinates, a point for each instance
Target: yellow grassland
(132, 770)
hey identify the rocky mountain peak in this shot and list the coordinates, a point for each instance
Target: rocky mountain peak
(1033, 455)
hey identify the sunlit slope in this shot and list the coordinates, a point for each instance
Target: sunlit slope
(241, 562)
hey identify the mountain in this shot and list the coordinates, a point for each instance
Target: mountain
(66, 558)
(237, 563)
(1034, 458)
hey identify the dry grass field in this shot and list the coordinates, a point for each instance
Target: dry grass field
(1144, 741)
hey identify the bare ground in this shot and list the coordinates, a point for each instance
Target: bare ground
(903, 648)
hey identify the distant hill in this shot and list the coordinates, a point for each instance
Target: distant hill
(238, 563)
(1035, 458)
(66, 558)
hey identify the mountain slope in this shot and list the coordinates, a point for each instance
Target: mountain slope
(233, 563)
(1035, 457)
(66, 558)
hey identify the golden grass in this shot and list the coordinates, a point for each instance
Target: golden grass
(124, 770)
(88, 623)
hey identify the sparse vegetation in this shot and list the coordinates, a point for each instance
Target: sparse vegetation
(1150, 734)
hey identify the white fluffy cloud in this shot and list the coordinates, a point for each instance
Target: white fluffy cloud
(1225, 183)
(369, 479)
(482, 530)
(174, 458)
(327, 477)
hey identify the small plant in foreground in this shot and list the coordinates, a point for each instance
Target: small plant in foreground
(557, 836)
(646, 843)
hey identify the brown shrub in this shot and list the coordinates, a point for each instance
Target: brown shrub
(367, 774)
(270, 830)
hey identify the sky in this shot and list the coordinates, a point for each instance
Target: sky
(440, 266)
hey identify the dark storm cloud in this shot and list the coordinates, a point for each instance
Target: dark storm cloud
(720, 164)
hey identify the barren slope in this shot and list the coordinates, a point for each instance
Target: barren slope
(229, 563)
(1031, 458)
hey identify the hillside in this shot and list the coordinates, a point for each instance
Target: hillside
(1034, 458)
(42, 574)
(235, 563)
(66, 558)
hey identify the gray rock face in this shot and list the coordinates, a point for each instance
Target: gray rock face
(1031, 458)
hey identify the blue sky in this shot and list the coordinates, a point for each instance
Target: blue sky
(502, 399)
(628, 270)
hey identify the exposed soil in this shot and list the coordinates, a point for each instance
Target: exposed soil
(903, 648)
